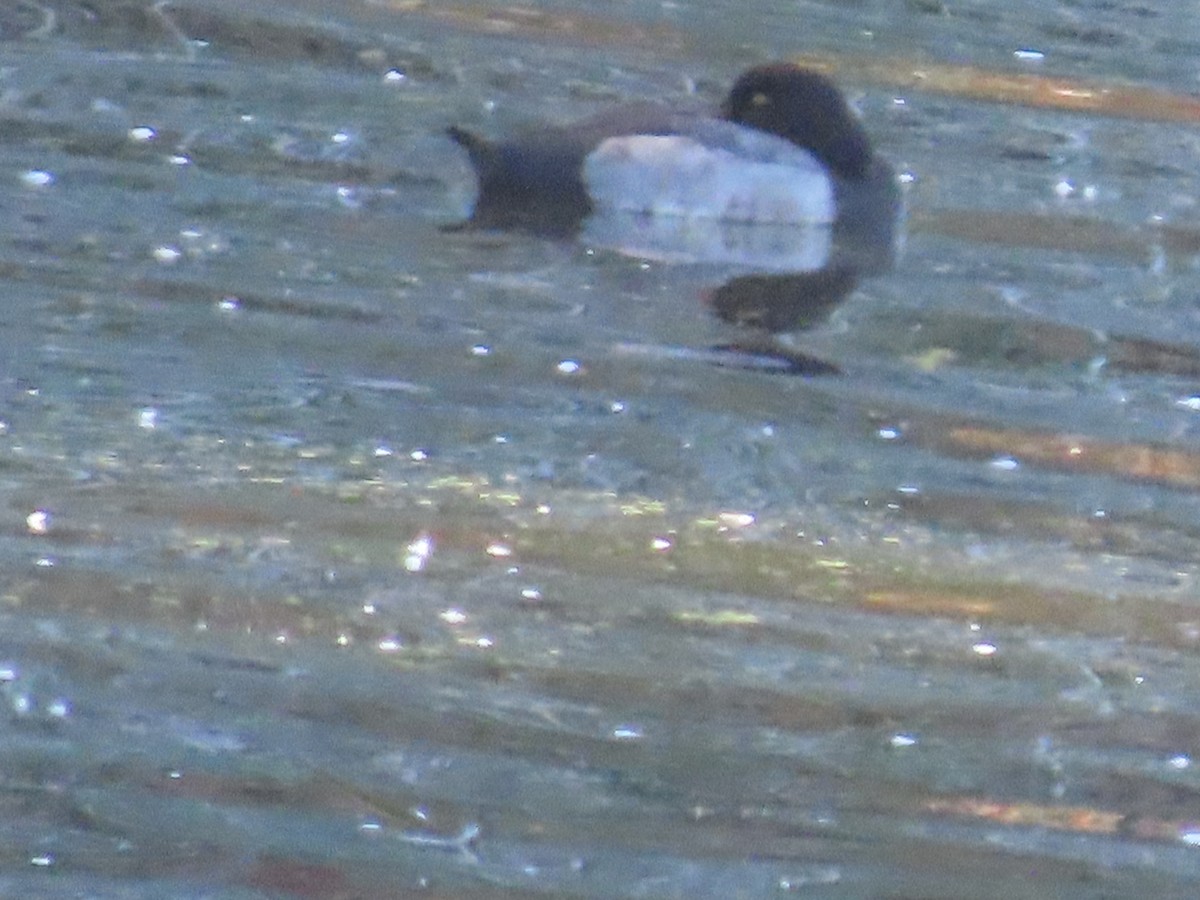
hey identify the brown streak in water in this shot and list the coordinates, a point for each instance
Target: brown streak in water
(1032, 230)
(375, 532)
(1080, 819)
(1043, 521)
(982, 340)
(1020, 88)
(741, 703)
(932, 602)
(312, 791)
(530, 23)
(1141, 355)
(264, 38)
(1140, 462)
(1076, 234)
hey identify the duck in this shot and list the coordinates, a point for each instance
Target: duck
(783, 149)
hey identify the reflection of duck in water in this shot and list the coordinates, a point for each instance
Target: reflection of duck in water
(783, 181)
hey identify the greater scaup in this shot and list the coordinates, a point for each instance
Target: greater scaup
(784, 150)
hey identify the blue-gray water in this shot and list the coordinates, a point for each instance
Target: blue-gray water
(347, 557)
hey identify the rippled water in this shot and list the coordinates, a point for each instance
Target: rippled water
(348, 557)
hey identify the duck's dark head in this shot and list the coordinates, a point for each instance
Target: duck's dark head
(806, 108)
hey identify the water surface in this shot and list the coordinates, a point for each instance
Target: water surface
(347, 557)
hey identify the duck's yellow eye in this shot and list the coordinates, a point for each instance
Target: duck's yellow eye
(760, 99)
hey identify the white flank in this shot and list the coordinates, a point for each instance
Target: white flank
(761, 179)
